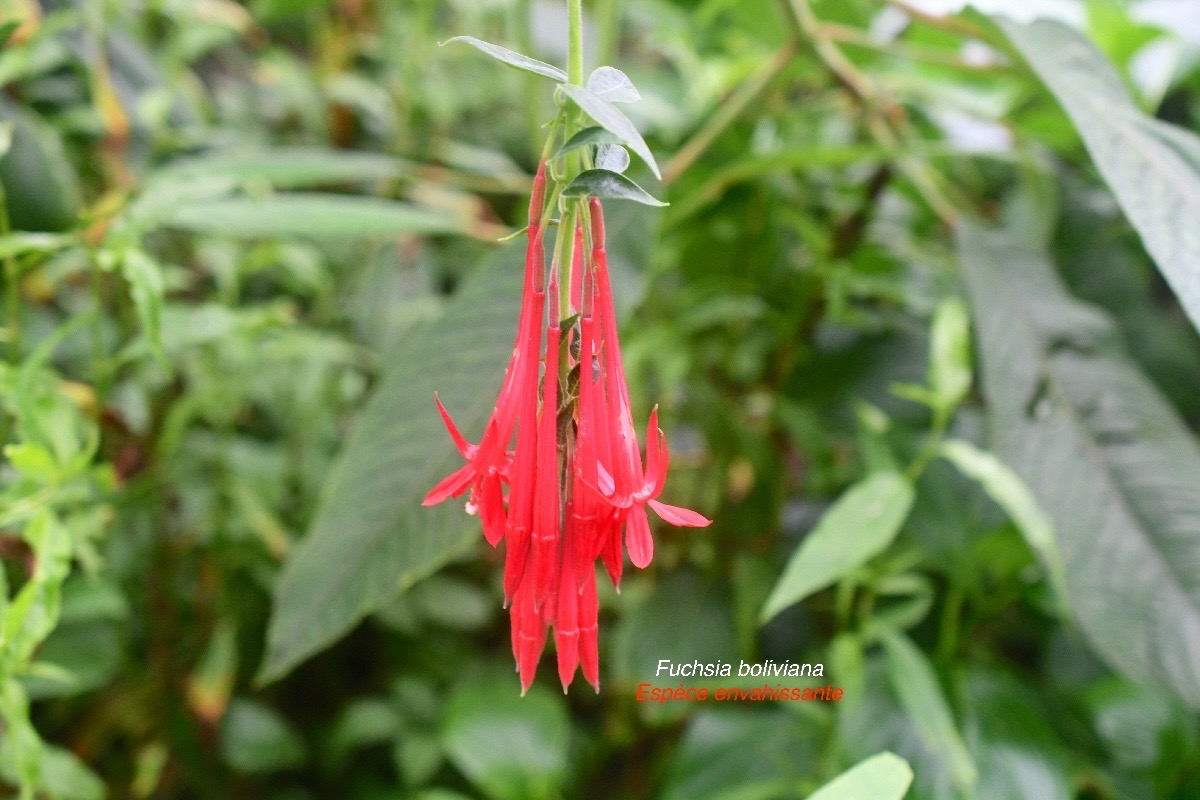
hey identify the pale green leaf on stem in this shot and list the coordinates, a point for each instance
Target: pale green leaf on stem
(512, 58)
(859, 526)
(612, 119)
(885, 776)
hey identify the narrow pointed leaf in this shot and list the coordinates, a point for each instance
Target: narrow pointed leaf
(859, 526)
(609, 185)
(513, 58)
(916, 686)
(610, 118)
(593, 135)
(1152, 167)
(1011, 494)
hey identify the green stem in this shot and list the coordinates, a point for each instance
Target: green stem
(575, 43)
(98, 354)
(12, 288)
(566, 259)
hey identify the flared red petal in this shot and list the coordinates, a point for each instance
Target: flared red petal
(638, 541)
(680, 517)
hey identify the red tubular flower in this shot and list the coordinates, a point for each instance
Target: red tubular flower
(575, 478)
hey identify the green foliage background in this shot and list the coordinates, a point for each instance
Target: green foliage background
(920, 320)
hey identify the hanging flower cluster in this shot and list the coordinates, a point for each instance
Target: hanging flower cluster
(573, 485)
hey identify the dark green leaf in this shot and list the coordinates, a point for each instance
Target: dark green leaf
(371, 537)
(727, 754)
(511, 747)
(513, 59)
(609, 185)
(1152, 167)
(610, 118)
(861, 525)
(1105, 455)
(593, 135)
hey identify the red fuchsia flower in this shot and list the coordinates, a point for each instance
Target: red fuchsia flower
(575, 478)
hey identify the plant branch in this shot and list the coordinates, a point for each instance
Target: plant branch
(727, 113)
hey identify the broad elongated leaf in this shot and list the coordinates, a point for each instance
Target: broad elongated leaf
(609, 185)
(862, 523)
(1107, 458)
(512, 58)
(882, 777)
(916, 685)
(1152, 167)
(371, 537)
(309, 215)
(287, 167)
(610, 118)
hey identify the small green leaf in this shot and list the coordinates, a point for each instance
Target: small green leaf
(1011, 494)
(511, 747)
(309, 215)
(859, 526)
(19, 243)
(145, 279)
(612, 85)
(612, 157)
(916, 685)
(255, 739)
(610, 185)
(610, 118)
(593, 135)
(512, 58)
(882, 777)
(950, 354)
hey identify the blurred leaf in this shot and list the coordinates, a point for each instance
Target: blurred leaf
(513, 59)
(310, 215)
(612, 85)
(511, 747)
(1152, 167)
(285, 167)
(255, 739)
(144, 275)
(1003, 486)
(950, 355)
(605, 184)
(1105, 455)
(41, 188)
(882, 777)
(740, 755)
(371, 537)
(362, 723)
(610, 118)
(65, 777)
(859, 526)
(20, 243)
(917, 687)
